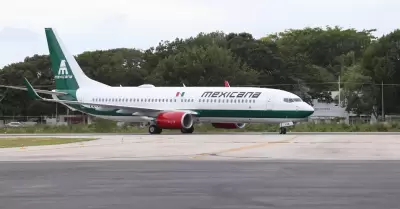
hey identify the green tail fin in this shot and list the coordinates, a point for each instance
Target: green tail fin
(63, 75)
(67, 73)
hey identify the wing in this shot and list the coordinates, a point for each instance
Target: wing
(131, 109)
(38, 91)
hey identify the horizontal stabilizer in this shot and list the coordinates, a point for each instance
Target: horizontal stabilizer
(38, 91)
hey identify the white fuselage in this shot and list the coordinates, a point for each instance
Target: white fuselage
(234, 104)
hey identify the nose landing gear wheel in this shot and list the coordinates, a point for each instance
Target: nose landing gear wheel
(153, 129)
(282, 130)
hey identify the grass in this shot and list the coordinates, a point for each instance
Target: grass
(104, 126)
(24, 142)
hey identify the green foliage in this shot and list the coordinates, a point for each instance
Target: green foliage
(358, 91)
(304, 61)
(105, 127)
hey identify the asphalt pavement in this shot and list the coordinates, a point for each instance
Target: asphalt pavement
(200, 184)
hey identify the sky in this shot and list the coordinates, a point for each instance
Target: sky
(87, 25)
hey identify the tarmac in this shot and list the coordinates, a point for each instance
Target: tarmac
(214, 147)
(296, 170)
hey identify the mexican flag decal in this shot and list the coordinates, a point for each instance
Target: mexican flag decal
(180, 94)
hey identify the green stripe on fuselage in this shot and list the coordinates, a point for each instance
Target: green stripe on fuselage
(254, 113)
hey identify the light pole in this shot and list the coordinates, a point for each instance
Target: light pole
(383, 109)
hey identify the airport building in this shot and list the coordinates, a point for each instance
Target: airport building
(332, 112)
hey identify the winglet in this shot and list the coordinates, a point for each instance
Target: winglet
(31, 92)
(227, 84)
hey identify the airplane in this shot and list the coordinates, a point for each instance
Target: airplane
(165, 107)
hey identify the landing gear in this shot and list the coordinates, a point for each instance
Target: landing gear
(282, 130)
(153, 129)
(187, 131)
(282, 127)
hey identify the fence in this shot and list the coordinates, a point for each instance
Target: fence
(48, 120)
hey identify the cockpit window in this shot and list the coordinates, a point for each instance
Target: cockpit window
(291, 100)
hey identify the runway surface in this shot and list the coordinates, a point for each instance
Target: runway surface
(205, 171)
(210, 133)
(214, 147)
(200, 184)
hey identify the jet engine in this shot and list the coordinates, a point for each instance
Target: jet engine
(174, 120)
(228, 125)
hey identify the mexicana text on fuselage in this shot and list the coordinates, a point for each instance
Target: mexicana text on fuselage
(234, 94)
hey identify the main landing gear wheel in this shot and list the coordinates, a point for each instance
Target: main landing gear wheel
(153, 129)
(282, 130)
(187, 131)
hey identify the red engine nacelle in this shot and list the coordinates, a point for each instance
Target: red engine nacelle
(228, 125)
(174, 120)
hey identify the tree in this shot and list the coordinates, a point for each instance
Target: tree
(315, 55)
(381, 62)
(360, 92)
(16, 102)
(125, 66)
(202, 66)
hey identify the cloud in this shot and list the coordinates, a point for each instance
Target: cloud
(16, 44)
(101, 24)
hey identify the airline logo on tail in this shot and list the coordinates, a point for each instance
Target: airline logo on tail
(63, 71)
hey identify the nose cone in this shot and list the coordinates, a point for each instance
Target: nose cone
(308, 109)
